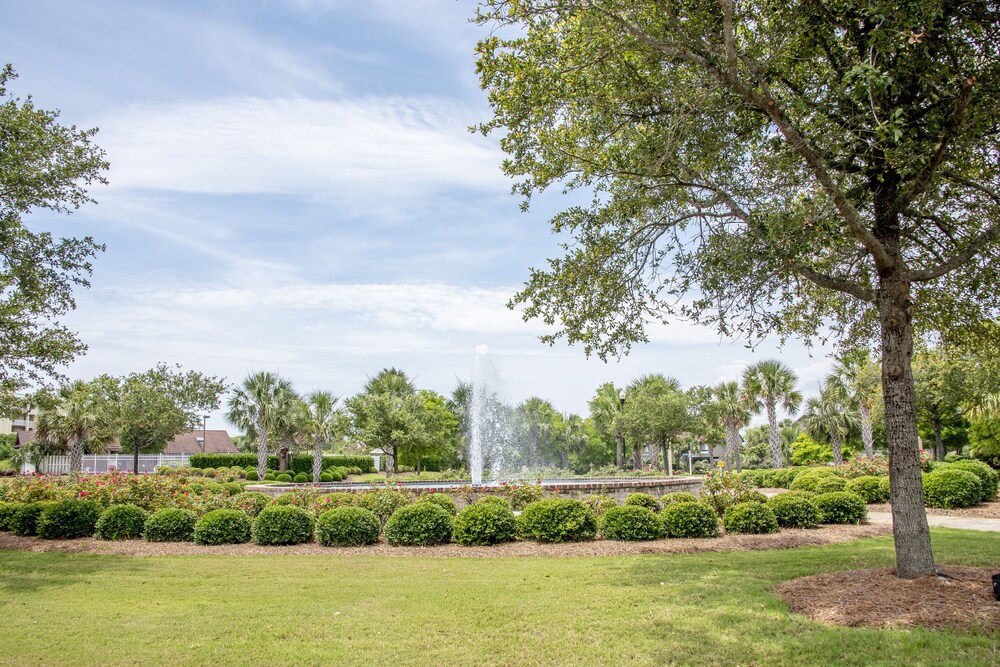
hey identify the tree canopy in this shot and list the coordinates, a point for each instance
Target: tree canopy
(43, 165)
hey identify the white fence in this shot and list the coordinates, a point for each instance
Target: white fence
(57, 465)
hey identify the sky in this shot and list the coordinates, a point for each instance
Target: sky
(294, 188)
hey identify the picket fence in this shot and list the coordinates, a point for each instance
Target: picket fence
(97, 463)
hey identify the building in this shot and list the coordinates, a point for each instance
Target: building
(25, 422)
(192, 442)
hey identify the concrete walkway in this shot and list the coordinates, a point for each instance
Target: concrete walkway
(963, 522)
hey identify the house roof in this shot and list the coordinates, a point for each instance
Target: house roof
(218, 442)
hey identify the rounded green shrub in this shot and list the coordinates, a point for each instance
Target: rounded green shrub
(988, 477)
(121, 522)
(251, 502)
(522, 495)
(232, 488)
(208, 472)
(557, 520)
(301, 478)
(442, 500)
(840, 507)
(483, 524)
(644, 500)
(282, 524)
(25, 520)
(870, 488)
(631, 523)
(69, 519)
(678, 497)
(754, 518)
(383, 502)
(952, 488)
(7, 512)
(794, 510)
(325, 477)
(809, 479)
(781, 478)
(224, 526)
(689, 520)
(885, 487)
(335, 475)
(498, 500)
(283, 477)
(270, 477)
(830, 484)
(347, 526)
(419, 524)
(252, 476)
(170, 524)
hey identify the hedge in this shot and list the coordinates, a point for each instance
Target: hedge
(70, 519)
(299, 464)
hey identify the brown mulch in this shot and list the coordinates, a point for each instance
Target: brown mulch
(989, 510)
(878, 598)
(786, 539)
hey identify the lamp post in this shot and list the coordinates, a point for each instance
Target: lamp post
(204, 433)
(620, 435)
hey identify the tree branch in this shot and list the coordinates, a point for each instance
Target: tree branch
(831, 282)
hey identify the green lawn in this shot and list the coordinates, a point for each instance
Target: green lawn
(705, 609)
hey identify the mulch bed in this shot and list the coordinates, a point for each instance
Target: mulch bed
(786, 539)
(989, 510)
(878, 598)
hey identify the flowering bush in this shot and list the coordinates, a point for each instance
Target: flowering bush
(521, 495)
(384, 502)
(723, 489)
(863, 466)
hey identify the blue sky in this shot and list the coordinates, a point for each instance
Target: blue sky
(294, 188)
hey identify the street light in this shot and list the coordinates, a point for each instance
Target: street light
(204, 433)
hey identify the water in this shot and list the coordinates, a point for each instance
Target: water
(490, 420)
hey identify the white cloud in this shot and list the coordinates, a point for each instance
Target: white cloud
(375, 146)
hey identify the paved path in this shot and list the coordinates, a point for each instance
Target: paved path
(964, 522)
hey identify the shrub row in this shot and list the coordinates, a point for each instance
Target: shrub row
(299, 464)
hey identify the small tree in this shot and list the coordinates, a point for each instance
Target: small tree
(733, 413)
(75, 418)
(656, 412)
(147, 410)
(768, 385)
(859, 379)
(258, 407)
(833, 416)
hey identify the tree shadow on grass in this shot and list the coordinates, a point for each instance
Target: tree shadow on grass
(27, 572)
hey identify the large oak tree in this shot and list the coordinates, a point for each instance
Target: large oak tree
(804, 167)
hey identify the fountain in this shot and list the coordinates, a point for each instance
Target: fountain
(490, 432)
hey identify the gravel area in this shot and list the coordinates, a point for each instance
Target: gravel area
(786, 539)
(981, 511)
(961, 600)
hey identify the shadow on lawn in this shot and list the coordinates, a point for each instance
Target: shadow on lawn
(26, 572)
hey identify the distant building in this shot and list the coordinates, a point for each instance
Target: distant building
(25, 422)
(192, 442)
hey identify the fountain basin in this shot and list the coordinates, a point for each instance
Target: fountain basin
(616, 487)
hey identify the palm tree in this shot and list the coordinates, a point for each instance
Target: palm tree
(319, 420)
(859, 378)
(386, 411)
(538, 419)
(390, 381)
(73, 420)
(606, 410)
(767, 384)
(734, 413)
(258, 407)
(831, 415)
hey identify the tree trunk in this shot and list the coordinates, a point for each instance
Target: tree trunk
(772, 425)
(419, 463)
(135, 459)
(619, 450)
(866, 430)
(317, 460)
(75, 453)
(838, 452)
(914, 557)
(637, 457)
(261, 452)
(732, 444)
(533, 454)
(938, 441)
(711, 457)
(395, 460)
(666, 457)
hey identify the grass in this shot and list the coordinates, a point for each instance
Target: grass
(703, 609)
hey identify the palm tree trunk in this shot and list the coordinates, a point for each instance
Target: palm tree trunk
(866, 430)
(938, 441)
(838, 455)
(317, 460)
(261, 451)
(732, 444)
(75, 453)
(772, 425)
